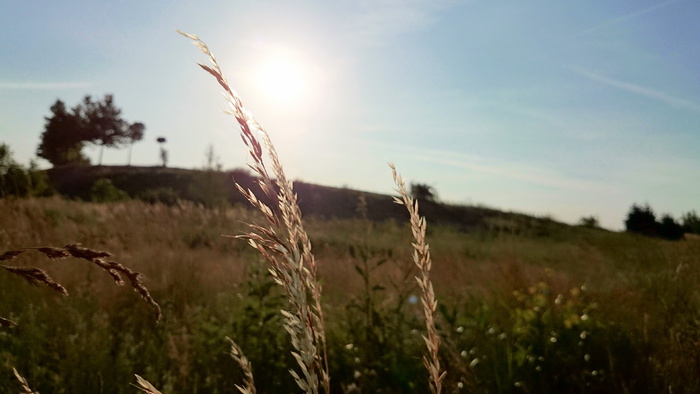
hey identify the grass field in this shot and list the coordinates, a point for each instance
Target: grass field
(545, 309)
(524, 305)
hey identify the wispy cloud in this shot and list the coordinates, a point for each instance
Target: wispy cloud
(632, 15)
(513, 171)
(43, 85)
(640, 90)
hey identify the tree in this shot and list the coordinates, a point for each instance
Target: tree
(18, 181)
(423, 192)
(691, 222)
(96, 122)
(103, 124)
(163, 152)
(642, 220)
(136, 132)
(670, 229)
(63, 138)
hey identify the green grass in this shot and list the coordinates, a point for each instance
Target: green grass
(504, 296)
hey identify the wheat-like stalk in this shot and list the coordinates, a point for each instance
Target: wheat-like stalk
(421, 257)
(145, 386)
(282, 241)
(24, 383)
(37, 276)
(240, 358)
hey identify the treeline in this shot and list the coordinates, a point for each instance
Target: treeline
(641, 219)
(18, 180)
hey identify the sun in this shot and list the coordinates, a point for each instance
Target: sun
(284, 79)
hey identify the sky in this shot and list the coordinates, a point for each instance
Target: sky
(550, 108)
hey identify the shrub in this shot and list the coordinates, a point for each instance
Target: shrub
(641, 220)
(103, 190)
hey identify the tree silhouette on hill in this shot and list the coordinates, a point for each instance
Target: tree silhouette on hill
(97, 122)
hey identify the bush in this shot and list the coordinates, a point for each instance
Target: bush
(18, 181)
(163, 195)
(669, 229)
(641, 220)
(103, 190)
(691, 222)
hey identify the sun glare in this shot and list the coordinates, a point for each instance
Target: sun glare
(284, 79)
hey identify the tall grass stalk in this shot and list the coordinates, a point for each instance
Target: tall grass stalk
(25, 385)
(237, 355)
(421, 257)
(282, 241)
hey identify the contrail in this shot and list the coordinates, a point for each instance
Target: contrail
(630, 16)
(640, 90)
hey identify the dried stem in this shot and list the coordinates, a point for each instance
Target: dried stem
(145, 386)
(37, 276)
(283, 241)
(421, 257)
(24, 383)
(240, 358)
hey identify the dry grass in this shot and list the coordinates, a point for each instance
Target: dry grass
(145, 386)
(282, 241)
(37, 276)
(239, 357)
(421, 257)
(25, 385)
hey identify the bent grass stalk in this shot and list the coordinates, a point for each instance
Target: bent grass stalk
(25, 385)
(283, 242)
(37, 276)
(421, 257)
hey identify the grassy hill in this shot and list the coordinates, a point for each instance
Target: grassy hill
(210, 188)
(547, 308)
(525, 304)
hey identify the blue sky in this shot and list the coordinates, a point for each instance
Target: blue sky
(566, 109)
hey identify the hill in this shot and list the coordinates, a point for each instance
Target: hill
(211, 188)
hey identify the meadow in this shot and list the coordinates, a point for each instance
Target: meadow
(511, 304)
(523, 308)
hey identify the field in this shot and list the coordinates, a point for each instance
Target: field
(524, 306)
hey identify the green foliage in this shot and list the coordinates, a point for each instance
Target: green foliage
(641, 303)
(691, 222)
(97, 122)
(379, 331)
(163, 195)
(63, 138)
(538, 340)
(589, 221)
(103, 190)
(670, 229)
(642, 220)
(18, 181)
(423, 192)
